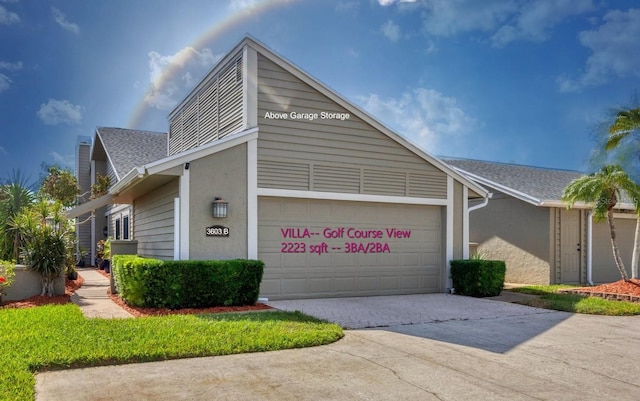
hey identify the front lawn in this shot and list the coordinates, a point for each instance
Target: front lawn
(549, 298)
(60, 337)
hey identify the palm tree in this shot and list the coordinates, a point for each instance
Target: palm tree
(15, 195)
(627, 122)
(603, 189)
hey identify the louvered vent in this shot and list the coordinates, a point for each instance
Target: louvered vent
(211, 114)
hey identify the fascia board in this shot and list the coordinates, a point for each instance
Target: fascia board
(502, 188)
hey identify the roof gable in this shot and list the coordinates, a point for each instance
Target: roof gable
(536, 185)
(126, 149)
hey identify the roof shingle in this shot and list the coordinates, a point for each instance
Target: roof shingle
(129, 148)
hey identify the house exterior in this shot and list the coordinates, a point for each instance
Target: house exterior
(526, 224)
(332, 201)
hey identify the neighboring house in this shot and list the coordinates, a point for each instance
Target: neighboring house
(526, 224)
(113, 152)
(332, 201)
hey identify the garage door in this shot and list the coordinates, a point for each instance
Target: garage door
(316, 248)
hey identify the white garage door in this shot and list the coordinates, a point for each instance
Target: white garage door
(315, 248)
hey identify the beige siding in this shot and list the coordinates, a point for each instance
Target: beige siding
(518, 233)
(212, 112)
(153, 222)
(332, 155)
(603, 264)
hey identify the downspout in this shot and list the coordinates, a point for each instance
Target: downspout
(589, 246)
(480, 205)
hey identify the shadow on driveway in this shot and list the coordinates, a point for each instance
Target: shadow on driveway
(484, 324)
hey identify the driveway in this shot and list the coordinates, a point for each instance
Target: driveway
(366, 312)
(472, 353)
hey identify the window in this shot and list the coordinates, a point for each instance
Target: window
(117, 228)
(125, 227)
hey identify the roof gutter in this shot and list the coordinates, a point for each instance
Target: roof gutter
(133, 176)
(482, 204)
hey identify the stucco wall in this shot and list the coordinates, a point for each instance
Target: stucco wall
(222, 174)
(28, 283)
(516, 232)
(603, 265)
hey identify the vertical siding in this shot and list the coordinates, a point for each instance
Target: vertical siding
(330, 154)
(153, 222)
(211, 113)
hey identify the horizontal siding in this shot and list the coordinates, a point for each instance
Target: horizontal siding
(153, 222)
(343, 155)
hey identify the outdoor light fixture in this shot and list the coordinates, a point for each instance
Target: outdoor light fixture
(219, 207)
(105, 231)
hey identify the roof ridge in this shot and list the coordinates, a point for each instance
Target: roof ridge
(447, 158)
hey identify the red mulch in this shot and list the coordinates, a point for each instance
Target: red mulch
(140, 312)
(38, 300)
(631, 287)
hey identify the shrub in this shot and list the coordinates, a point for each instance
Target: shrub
(187, 283)
(478, 278)
(7, 274)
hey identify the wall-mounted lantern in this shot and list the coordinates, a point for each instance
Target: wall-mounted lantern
(105, 231)
(219, 207)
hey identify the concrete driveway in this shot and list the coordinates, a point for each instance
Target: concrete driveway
(524, 355)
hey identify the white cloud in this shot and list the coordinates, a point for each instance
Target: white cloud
(535, 20)
(5, 82)
(614, 51)
(391, 31)
(242, 4)
(62, 160)
(450, 17)
(346, 6)
(385, 3)
(171, 76)
(434, 121)
(56, 112)
(61, 20)
(504, 21)
(5, 65)
(7, 17)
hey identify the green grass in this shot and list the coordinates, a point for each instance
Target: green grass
(549, 298)
(60, 337)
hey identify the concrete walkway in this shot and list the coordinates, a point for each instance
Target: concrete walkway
(93, 297)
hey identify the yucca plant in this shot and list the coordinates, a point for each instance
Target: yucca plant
(45, 232)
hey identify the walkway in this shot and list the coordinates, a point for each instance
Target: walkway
(93, 297)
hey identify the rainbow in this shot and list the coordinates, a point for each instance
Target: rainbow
(235, 18)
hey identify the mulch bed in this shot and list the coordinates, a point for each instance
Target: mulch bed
(38, 300)
(141, 312)
(619, 291)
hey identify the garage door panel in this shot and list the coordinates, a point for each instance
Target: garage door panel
(390, 248)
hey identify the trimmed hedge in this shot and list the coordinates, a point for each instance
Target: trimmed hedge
(478, 278)
(187, 283)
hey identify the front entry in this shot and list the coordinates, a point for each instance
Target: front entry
(570, 246)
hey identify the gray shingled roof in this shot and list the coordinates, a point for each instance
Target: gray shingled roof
(129, 148)
(538, 182)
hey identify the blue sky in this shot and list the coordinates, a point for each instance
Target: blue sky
(515, 81)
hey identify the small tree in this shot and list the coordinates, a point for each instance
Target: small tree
(60, 185)
(45, 232)
(101, 186)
